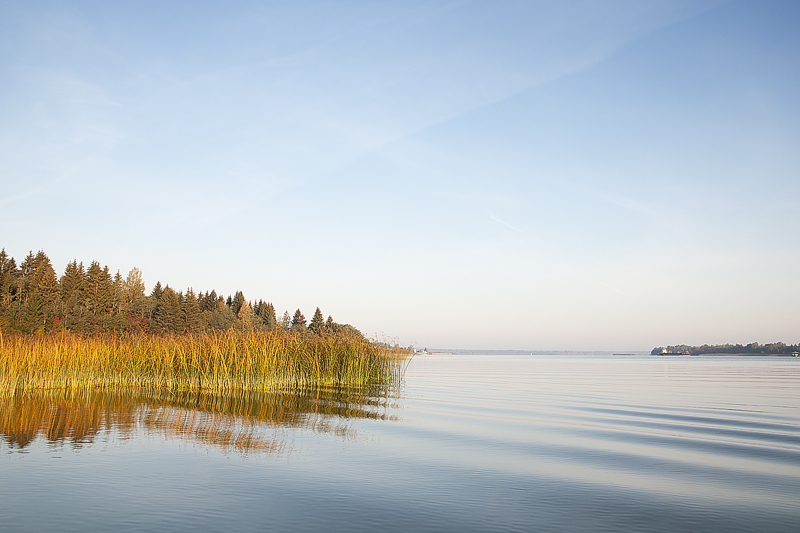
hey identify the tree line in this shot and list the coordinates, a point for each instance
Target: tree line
(771, 348)
(33, 298)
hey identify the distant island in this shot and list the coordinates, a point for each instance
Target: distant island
(754, 348)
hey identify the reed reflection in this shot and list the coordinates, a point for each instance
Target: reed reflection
(249, 422)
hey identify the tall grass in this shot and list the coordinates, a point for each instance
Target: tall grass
(215, 362)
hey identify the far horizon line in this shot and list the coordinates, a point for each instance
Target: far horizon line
(473, 351)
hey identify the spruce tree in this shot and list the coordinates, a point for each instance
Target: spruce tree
(155, 302)
(267, 315)
(98, 290)
(167, 315)
(238, 302)
(37, 293)
(73, 287)
(8, 278)
(298, 321)
(47, 282)
(317, 322)
(157, 291)
(116, 292)
(8, 287)
(191, 312)
(47, 287)
(72, 283)
(212, 301)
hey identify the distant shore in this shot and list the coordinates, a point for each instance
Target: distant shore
(726, 354)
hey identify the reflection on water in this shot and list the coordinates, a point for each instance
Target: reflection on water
(475, 443)
(247, 423)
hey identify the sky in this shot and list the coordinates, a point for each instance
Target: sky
(571, 175)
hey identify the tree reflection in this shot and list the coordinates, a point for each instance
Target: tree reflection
(250, 422)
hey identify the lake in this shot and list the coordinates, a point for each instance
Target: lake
(469, 443)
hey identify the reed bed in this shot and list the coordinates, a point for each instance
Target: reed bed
(210, 362)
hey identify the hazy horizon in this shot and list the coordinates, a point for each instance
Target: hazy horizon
(570, 176)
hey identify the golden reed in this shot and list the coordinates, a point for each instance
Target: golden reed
(211, 361)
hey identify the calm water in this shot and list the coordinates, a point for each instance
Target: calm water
(476, 443)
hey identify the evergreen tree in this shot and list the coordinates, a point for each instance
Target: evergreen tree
(99, 296)
(267, 315)
(329, 324)
(155, 302)
(48, 290)
(298, 321)
(157, 292)
(209, 301)
(167, 315)
(116, 292)
(8, 278)
(37, 293)
(72, 284)
(238, 302)
(317, 322)
(8, 288)
(191, 312)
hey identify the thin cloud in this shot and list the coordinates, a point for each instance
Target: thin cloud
(506, 224)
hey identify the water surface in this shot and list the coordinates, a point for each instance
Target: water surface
(482, 443)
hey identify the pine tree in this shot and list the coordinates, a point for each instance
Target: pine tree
(298, 321)
(99, 297)
(157, 291)
(317, 322)
(73, 288)
(47, 282)
(329, 325)
(8, 274)
(37, 293)
(212, 301)
(48, 289)
(238, 302)
(73, 284)
(8, 287)
(116, 292)
(191, 311)
(155, 302)
(267, 315)
(27, 269)
(167, 315)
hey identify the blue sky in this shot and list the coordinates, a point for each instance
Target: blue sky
(520, 175)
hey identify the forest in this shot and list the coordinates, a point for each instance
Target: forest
(34, 298)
